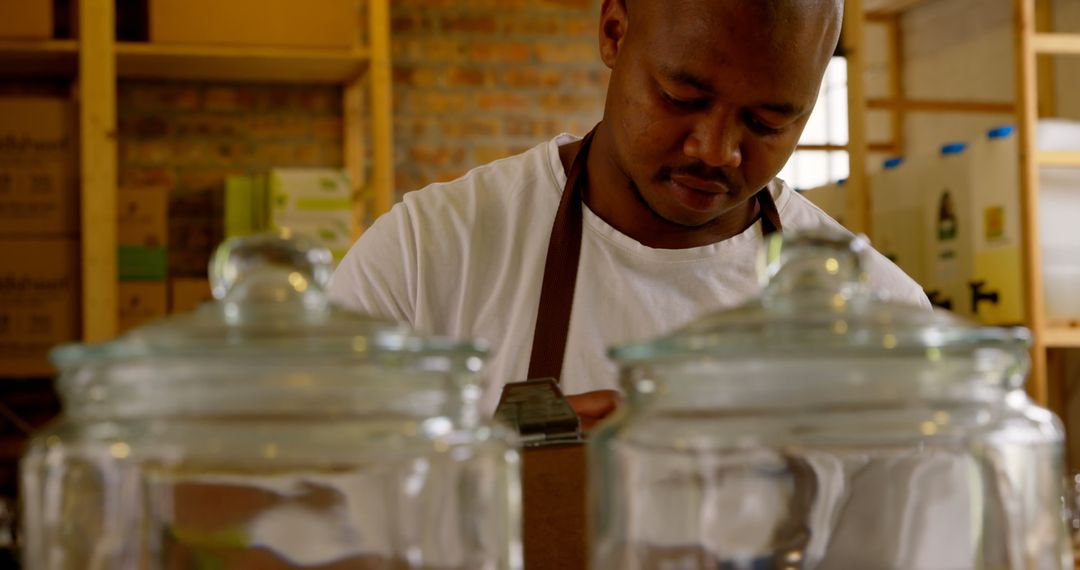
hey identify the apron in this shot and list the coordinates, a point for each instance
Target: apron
(553, 477)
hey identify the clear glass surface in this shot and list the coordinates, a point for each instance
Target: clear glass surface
(271, 430)
(822, 427)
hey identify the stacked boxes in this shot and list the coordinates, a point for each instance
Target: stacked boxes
(38, 194)
(142, 259)
(26, 19)
(269, 23)
(188, 293)
(39, 267)
(312, 202)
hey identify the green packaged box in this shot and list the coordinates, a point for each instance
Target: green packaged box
(137, 263)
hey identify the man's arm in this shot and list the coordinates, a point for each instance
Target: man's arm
(378, 275)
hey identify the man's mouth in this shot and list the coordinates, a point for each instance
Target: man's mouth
(698, 184)
(696, 193)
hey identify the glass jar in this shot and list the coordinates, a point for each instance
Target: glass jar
(271, 430)
(824, 427)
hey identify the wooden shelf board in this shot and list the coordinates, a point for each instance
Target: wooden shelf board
(1056, 43)
(885, 147)
(1062, 335)
(38, 57)
(209, 63)
(942, 106)
(874, 7)
(1058, 158)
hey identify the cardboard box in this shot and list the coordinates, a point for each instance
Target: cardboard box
(269, 23)
(38, 191)
(143, 216)
(188, 293)
(39, 303)
(245, 205)
(313, 202)
(26, 19)
(141, 302)
(137, 263)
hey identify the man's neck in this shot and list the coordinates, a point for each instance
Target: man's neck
(610, 196)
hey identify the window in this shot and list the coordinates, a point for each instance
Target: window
(820, 158)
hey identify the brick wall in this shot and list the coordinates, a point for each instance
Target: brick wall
(191, 136)
(476, 80)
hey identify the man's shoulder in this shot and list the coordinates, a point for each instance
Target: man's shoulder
(797, 212)
(500, 181)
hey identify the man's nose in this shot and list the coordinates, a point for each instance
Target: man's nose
(715, 140)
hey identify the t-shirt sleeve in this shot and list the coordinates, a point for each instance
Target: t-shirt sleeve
(886, 277)
(377, 276)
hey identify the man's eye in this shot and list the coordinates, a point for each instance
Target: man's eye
(685, 104)
(760, 127)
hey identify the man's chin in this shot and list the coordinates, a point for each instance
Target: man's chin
(689, 220)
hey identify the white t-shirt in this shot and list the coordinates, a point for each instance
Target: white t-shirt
(466, 258)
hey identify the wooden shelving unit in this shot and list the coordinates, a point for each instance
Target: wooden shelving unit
(1030, 43)
(202, 63)
(1061, 336)
(98, 61)
(1069, 159)
(38, 58)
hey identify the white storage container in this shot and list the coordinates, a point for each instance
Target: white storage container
(831, 198)
(1059, 223)
(996, 285)
(897, 214)
(947, 228)
(1059, 228)
(1061, 282)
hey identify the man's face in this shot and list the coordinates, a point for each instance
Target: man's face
(708, 98)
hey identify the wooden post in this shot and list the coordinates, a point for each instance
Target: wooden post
(1044, 22)
(355, 162)
(1028, 111)
(858, 199)
(98, 168)
(382, 119)
(353, 139)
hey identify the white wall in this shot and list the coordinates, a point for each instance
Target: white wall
(964, 49)
(957, 49)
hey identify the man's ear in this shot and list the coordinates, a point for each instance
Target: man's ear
(614, 24)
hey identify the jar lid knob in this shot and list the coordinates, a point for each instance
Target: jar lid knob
(273, 268)
(823, 259)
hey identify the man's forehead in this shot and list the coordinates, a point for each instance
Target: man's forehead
(772, 15)
(807, 26)
(767, 7)
(724, 46)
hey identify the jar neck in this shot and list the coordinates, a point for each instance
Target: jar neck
(759, 383)
(162, 389)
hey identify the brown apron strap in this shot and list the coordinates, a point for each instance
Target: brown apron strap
(770, 216)
(561, 266)
(560, 273)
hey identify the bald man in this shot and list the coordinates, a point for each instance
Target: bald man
(675, 190)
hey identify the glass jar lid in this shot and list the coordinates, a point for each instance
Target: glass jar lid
(817, 301)
(271, 298)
